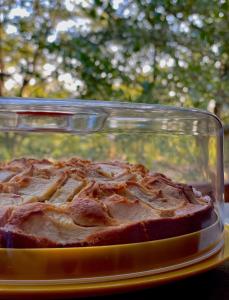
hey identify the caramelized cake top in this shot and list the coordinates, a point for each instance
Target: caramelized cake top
(78, 202)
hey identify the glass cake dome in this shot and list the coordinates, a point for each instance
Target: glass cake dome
(157, 167)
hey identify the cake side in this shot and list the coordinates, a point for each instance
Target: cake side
(83, 203)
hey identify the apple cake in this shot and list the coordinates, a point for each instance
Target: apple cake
(79, 203)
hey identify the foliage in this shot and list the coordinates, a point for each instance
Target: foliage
(170, 52)
(182, 157)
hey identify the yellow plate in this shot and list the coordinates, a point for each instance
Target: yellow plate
(108, 263)
(50, 291)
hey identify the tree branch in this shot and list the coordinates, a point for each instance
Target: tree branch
(1, 62)
(155, 65)
(226, 130)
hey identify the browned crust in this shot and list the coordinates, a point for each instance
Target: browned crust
(89, 209)
(154, 229)
(16, 239)
(124, 234)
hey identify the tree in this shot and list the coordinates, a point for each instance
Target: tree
(167, 52)
(25, 28)
(160, 51)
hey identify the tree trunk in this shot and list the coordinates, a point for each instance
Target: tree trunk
(24, 85)
(1, 62)
(226, 130)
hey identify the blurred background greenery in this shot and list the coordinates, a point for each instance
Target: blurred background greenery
(169, 52)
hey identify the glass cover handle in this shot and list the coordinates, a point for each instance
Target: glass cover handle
(76, 122)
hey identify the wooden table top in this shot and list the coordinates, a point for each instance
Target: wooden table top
(212, 285)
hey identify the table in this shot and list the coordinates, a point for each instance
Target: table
(211, 285)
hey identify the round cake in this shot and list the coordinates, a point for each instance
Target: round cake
(82, 203)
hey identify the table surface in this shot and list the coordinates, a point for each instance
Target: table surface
(211, 285)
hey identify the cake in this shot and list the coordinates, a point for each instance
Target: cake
(79, 203)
